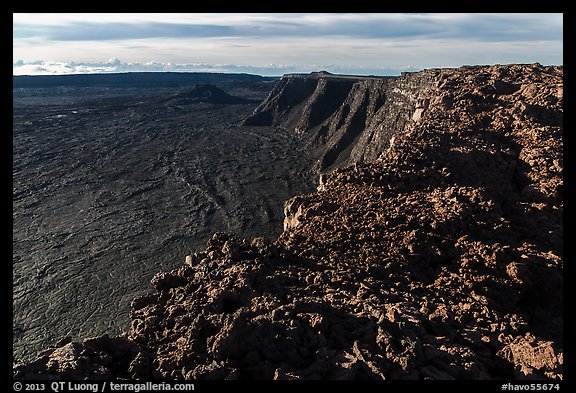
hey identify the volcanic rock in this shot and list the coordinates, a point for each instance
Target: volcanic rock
(112, 184)
(345, 119)
(428, 262)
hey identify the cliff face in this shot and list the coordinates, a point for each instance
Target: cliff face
(439, 259)
(344, 120)
(457, 228)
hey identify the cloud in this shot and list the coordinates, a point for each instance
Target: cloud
(118, 31)
(367, 43)
(114, 65)
(504, 27)
(518, 27)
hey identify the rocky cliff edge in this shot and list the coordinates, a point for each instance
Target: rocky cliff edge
(441, 258)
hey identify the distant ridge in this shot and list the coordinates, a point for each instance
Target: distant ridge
(135, 79)
(204, 93)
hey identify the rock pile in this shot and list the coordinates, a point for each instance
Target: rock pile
(442, 259)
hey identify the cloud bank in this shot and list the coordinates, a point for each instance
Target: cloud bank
(115, 65)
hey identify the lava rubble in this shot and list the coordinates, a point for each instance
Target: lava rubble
(442, 259)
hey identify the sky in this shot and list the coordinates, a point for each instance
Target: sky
(275, 44)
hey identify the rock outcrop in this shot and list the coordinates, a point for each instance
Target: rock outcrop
(345, 119)
(439, 259)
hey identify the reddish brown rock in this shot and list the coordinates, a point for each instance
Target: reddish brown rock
(442, 259)
(532, 357)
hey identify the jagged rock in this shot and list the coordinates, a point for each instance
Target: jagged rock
(530, 356)
(431, 261)
(140, 367)
(292, 213)
(71, 361)
(163, 281)
(232, 250)
(114, 346)
(192, 260)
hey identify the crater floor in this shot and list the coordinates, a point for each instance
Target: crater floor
(111, 185)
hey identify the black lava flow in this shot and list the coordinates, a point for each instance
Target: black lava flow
(112, 184)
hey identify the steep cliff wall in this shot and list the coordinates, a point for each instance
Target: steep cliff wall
(344, 120)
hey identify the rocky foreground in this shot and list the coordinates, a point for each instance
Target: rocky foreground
(441, 259)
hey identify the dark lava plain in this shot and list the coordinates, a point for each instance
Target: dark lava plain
(113, 184)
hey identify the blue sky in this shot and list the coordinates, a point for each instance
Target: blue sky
(274, 44)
